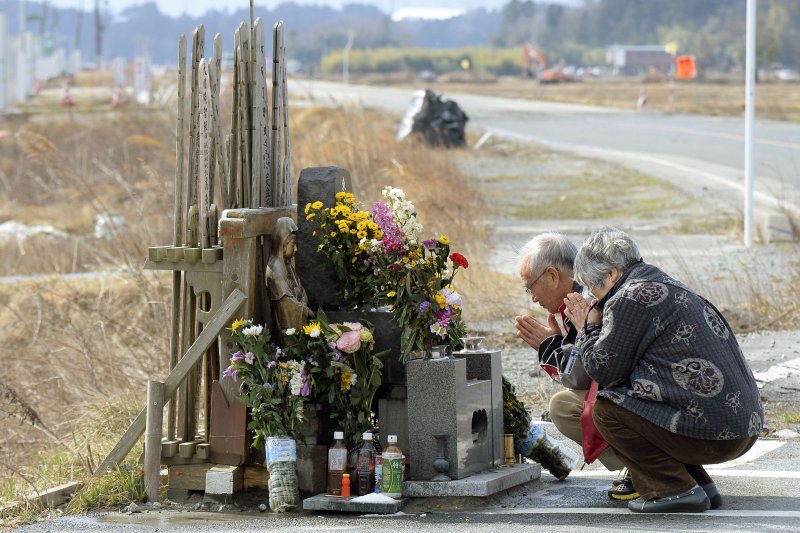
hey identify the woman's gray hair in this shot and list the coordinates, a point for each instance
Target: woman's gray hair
(548, 249)
(605, 249)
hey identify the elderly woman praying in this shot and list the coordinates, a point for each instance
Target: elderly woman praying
(676, 391)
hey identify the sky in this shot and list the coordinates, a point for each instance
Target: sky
(198, 7)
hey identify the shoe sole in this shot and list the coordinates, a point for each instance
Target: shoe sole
(624, 497)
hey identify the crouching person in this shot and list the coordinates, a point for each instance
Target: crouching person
(676, 391)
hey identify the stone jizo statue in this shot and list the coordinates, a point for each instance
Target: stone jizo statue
(289, 300)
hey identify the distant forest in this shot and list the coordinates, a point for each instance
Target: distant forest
(711, 30)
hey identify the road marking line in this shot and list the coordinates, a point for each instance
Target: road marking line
(618, 511)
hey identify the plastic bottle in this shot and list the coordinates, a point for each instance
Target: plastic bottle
(378, 471)
(337, 464)
(345, 485)
(365, 466)
(393, 466)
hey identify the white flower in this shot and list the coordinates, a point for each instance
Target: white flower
(314, 333)
(354, 377)
(252, 331)
(296, 383)
(290, 331)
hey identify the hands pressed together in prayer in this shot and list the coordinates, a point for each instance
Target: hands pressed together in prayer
(534, 332)
(577, 310)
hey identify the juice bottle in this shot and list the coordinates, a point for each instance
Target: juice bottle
(392, 463)
(345, 485)
(337, 464)
(365, 466)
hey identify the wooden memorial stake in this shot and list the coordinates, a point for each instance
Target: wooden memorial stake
(152, 443)
(177, 237)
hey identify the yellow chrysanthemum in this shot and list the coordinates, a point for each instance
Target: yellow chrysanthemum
(310, 216)
(440, 299)
(333, 234)
(346, 380)
(316, 205)
(444, 240)
(391, 294)
(311, 327)
(239, 322)
(341, 195)
(308, 207)
(361, 234)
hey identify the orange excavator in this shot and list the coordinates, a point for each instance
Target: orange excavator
(535, 65)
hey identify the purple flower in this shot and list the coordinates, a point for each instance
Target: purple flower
(430, 244)
(392, 233)
(424, 305)
(271, 386)
(337, 355)
(237, 356)
(306, 390)
(443, 317)
(249, 358)
(277, 354)
(271, 364)
(230, 372)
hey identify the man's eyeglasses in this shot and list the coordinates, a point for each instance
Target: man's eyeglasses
(528, 288)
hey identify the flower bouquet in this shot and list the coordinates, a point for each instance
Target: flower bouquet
(391, 266)
(344, 372)
(274, 387)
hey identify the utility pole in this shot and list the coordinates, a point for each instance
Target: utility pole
(346, 58)
(98, 34)
(749, 116)
(78, 27)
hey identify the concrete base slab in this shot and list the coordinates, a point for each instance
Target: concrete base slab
(482, 484)
(323, 502)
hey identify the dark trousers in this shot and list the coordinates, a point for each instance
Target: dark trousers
(661, 463)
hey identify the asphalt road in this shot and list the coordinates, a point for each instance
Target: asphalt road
(692, 151)
(761, 492)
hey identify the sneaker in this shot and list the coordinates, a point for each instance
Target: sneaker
(623, 489)
(693, 500)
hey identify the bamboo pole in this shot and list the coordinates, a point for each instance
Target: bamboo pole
(177, 237)
(198, 45)
(218, 138)
(234, 173)
(152, 442)
(276, 152)
(203, 153)
(287, 144)
(258, 115)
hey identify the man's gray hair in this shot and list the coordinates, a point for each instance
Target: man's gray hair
(605, 249)
(548, 249)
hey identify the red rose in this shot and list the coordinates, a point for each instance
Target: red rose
(459, 260)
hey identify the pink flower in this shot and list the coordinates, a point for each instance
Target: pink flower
(349, 342)
(354, 326)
